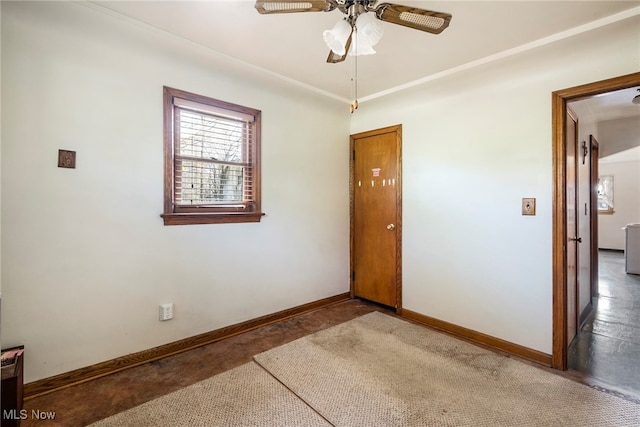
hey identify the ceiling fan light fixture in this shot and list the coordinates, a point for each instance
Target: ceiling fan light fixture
(362, 15)
(367, 33)
(336, 38)
(360, 49)
(369, 28)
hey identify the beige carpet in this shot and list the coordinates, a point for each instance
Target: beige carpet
(378, 370)
(244, 396)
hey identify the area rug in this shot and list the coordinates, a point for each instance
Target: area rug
(244, 396)
(378, 370)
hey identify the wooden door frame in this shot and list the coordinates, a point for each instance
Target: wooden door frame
(594, 148)
(559, 100)
(397, 129)
(571, 115)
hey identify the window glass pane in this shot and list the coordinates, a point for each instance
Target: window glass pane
(221, 144)
(605, 193)
(200, 182)
(211, 137)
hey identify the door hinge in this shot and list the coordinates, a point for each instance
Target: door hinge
(353, 276)
(353, 155)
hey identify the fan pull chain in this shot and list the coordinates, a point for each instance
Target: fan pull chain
(354, 104)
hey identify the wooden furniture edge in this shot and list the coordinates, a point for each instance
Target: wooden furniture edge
(81, 375)
(479, 338)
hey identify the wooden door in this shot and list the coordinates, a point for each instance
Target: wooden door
(375, 216)
(572, 225)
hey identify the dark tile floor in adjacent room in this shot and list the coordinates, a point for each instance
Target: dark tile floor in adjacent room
(607, 348)
(605, 351)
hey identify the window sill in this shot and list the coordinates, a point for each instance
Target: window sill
(209, 218)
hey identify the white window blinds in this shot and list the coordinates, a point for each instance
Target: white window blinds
(213, 156)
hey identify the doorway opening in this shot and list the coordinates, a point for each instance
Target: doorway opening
(561, 234)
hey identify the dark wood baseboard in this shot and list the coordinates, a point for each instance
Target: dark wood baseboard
(479, 338)
(68, 379)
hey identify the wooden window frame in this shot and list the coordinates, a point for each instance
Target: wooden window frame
(232, 213)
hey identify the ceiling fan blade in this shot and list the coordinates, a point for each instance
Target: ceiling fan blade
(413, 17)
(291, 6)
(334, 58)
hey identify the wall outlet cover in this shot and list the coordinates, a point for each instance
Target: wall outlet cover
(166, 311)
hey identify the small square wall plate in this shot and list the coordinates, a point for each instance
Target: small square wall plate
(66, 159)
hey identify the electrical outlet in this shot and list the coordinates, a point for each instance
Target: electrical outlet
(528, 206)
(166, 311)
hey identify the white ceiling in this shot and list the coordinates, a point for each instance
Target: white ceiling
(612, 106)
(630, 155)
(609, 106)
(291, 45)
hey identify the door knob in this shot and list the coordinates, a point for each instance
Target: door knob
(391, 227)
(576, 239)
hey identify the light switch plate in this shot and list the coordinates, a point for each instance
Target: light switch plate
(528, 206)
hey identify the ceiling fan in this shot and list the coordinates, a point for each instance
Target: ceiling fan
(359, 21)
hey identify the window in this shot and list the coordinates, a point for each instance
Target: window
(605, 194)
(212, 160)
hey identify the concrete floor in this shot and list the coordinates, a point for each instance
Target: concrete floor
(607, 347)
(97, 399)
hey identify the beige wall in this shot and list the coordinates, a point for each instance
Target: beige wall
(474, 144)
(86, 259)
(620, 135)
(626, 199)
